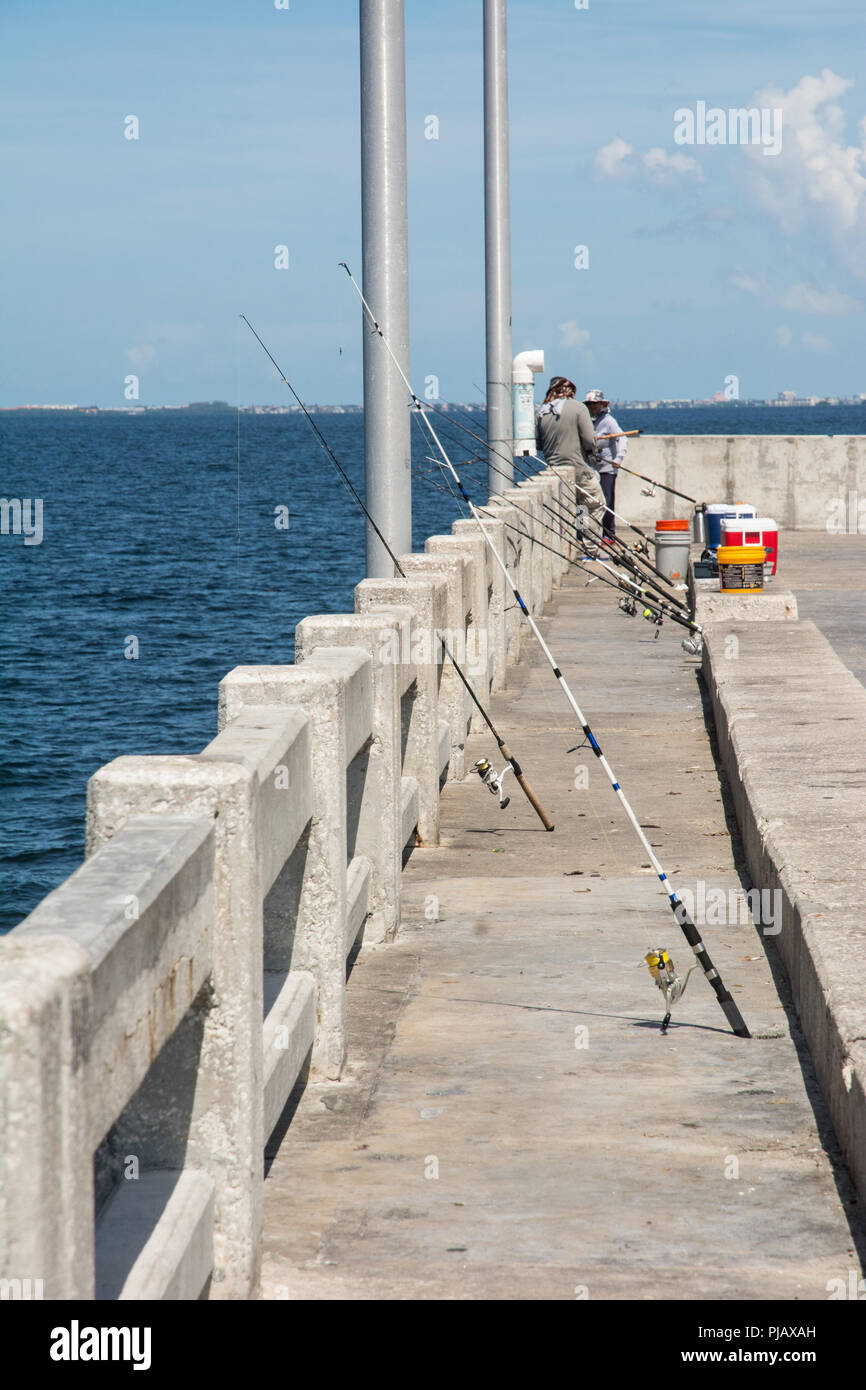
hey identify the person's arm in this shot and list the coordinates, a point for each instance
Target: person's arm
(619, 445)
(586, 431)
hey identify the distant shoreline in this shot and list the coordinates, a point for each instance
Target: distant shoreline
(223, 408)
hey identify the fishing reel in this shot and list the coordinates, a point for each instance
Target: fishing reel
(628, 606)
(693, 645)
(492, 780)
(657, 619)
(672, 985)
(648, 491)
(640, 547)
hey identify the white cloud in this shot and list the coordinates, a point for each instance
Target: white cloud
(802, 298)
(620, 160)
(664, 167)
(808, 299)
(816, 177)
(611, 159)
(751, 284)
(816, 342)
(571, 336)
(144, 356)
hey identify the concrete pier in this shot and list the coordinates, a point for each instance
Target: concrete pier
(511, 1123)
(319, 943)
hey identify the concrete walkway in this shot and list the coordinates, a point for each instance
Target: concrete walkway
(512, 1124)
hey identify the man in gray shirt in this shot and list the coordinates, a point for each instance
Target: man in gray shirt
(564, 433)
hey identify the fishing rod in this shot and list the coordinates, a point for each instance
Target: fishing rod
(509, 476)
(659, 604)
(626, 554)
(656, 610)
(664, 487)
(515, 766)
(633, 558)
(725, 999)
(632, 551)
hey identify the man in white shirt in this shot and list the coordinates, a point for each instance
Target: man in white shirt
(609, 456)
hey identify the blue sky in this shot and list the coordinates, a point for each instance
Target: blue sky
(126, 256)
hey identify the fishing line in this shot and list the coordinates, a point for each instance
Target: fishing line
(555, 718)
(517, 769)
(625, 557)
(653, 607)
(726, 1001)
(509, 459)
(624, 550)
(664, 487)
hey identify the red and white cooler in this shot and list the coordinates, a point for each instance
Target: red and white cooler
(757, 530)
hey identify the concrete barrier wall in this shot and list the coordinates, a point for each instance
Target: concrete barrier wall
(791, 726)
(158, 1009)
(803, 481)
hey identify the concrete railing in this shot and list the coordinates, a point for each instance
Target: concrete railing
(805, 482)
(158, 1010)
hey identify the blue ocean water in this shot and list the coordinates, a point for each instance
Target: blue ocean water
(161, 528)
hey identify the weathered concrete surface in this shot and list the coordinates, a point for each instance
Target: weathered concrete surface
(828, 576)
(791, 726)
(695, 1165)
(802, 481)
(770, 606)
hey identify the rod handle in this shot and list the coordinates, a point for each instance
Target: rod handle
(534, 801)
(525, 787)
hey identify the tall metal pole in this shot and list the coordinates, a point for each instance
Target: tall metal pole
(497, 244)
(385, 234)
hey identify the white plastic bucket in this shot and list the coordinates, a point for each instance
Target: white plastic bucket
(673, 540)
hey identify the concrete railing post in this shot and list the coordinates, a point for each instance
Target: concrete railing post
(529, 561)
(379, 830)
(475, 659)
(46, 1160)
(497, 636)
(314, 880)
(454, 703)
(540, 489)
(567, 504)
(427, 599)
(513, 548)
(218, 1049)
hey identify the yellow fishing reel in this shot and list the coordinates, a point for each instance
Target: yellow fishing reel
(664, 972)
(493, 781)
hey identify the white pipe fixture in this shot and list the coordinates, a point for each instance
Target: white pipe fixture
(524, 369)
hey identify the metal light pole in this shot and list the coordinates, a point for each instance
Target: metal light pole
(497, 245)
(385, 235)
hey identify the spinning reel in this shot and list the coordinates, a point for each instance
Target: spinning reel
(663, 971)
(657, 619)
(493, 780)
